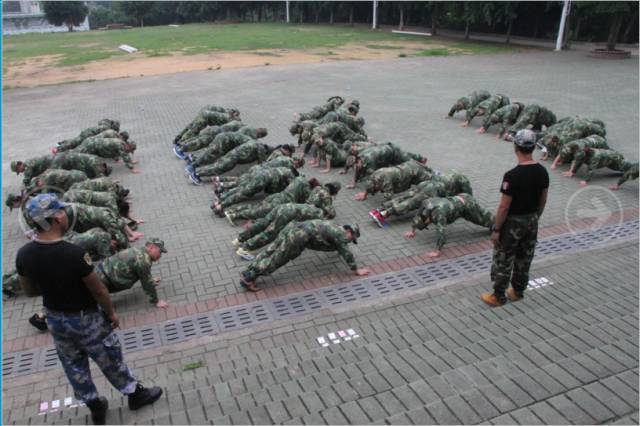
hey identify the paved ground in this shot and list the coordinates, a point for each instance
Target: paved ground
(403, 101)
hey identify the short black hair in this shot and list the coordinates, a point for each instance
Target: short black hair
(525, 150)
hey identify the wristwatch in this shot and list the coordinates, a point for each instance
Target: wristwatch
(494, 228)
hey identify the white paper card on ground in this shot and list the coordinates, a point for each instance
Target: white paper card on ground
(127, 48)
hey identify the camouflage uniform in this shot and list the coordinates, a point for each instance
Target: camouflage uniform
(204, 119)
(246, 153)
(103, 184)
(443, 211)
(269, 180)
(321, 235)
(103, 125)
(505, 116)
(354, 123)
(391, 180)
(93, 198)
(88, 217)
(440, 186)
(568, 149)
(296, 192)
(11, 283)
(331, 151)
(122, 270)
(512, 258)
(208, 135)
(569, 129)
(489, 105)
(631, 173)
(106, 148)
(265, 230)
(107, 134)
(321, 198)
(384, 155)
(78, 335)
(222, 144)
(57, 178)
(535, 116)
(469, 101)
(96, 241)
(33, 167)
(338, 132)
(92, 165)
(229, 182)
(318, 112)
(598, 159)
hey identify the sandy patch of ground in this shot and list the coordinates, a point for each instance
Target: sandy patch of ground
(42, 71)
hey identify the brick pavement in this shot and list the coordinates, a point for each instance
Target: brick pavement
(567, 353)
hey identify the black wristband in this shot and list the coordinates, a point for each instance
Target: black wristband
(494, 228)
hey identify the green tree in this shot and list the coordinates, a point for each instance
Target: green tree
(615, 12)
(139, 9)
(69, 13)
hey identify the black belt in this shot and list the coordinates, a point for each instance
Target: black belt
(77, 312)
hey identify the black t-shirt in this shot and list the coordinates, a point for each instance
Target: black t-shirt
(525, 185)
(57, 269)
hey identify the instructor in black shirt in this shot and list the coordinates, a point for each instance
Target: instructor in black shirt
(79, 311)
(514, 235)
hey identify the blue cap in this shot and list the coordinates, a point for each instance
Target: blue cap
(43, 206)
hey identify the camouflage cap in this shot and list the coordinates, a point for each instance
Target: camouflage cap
(333, 187)
(525, 138)
(157, 242)
(14, 166)
(124, 135)
(11, 199)
(132, 145)
(355, 231)
(43, 206)
(299, 159)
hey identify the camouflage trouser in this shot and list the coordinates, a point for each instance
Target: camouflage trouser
(512, 260)
(115, 226)
(206, 156)
(224, 164)
(255, 229)
(406, 203)
(264, 232)
(476, 214)
(242, 192)
(195, 144)
(254, 211)
(80, 336)
(11, 282)
(286, 247)
(528, 117)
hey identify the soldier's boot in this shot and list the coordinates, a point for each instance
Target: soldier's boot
(491, 299)
(236, 243)
(378, 218)
(247, 283)
(245, 254)
(229, 217)
(98, 409)
(514, 295)
(38, 322)
(143, 396)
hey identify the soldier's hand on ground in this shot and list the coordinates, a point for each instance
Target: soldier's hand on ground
(114, 320)
(410, 234)
(135, 171)
(361, 196)
(54, 150)
(162, 304)
(465, 124)
(614, 187)
(495, 239)
(135, 162)
(139, 221)
(553, 166)
(567, 174)
(584, 183)
(157, 280)
(247, 224)
(342, 172)
(325, 171)
(433, 254)
(481, 130)
(362, 271)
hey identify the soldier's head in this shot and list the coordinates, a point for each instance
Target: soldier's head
(48, 214)
(14, 201)
(353, 232)
(353, 107)
(313, 182)
(124, 135)
(106, 169)
(234, 113)
(110, 124)
(524, 141)
(481, 111)
(338, 100)
(459, 106)
(123, 208)
(287, 149)
(360, 121)
(17, 167)
(333, 188)
(318, 140)
(129, 146)
(155, 248)
(295, 129)
(261, 132)
(298, 162)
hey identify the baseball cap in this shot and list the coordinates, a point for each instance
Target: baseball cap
(355, 230)
(43, 206)
(333, 187)
(12, 198)
(525, 138)
(158, 242)
(14, 166)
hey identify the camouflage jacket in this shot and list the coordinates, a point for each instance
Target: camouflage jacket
(57, 178)
(93, 198)
(469, 101)
(279, 161)
(290, 212)
(441, 211)
(320, 111)
(112, 148)
(598, 159)
(36, 166)
(103, 184)
(88, 217)
(338, 132)
(630, 173)
(204, 119)
(490, 104)
(331, 151)
(126, 267)
(593, 141)
(321, 235)
(384, 155)
(390, 180)
(96, 241)
(91, 165)
(270, 179)
(569, 129)
(354, 123)
(68, 144)
(534, 115)
(504, 116)
(321, 198)
(225, 142)
(445, 185)
(251, 151)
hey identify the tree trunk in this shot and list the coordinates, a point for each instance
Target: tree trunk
(70, 27)
(536, 28)
(466, 30)
(434, 19)
(408, 18)
(614, 32)
(401, 24)
(576, 32)
(301, 13)
(627, 31)
(317, 12)
(509, 28)
(565, 39)
(228, 14)
(142, 22)
(351, 15)
(331, 13)
(260, 12)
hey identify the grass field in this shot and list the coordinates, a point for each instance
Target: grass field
(83, 47)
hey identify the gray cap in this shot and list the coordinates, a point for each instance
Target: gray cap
(525, 138)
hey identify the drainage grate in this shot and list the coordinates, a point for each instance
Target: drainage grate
(135, 339)
(242, 316)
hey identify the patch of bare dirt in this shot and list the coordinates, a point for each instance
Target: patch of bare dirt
(42, 71)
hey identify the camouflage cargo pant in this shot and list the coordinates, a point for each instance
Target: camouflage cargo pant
(403, 204)
(254, 211)
(289, 245)
(223, 165)
(195, 144)
(264, 232)
(208, 155)
(77, 338)
(476, 214)
(512, 259)
(11, 282)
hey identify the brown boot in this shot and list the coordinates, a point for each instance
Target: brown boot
(491, 299)
(513, 295)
